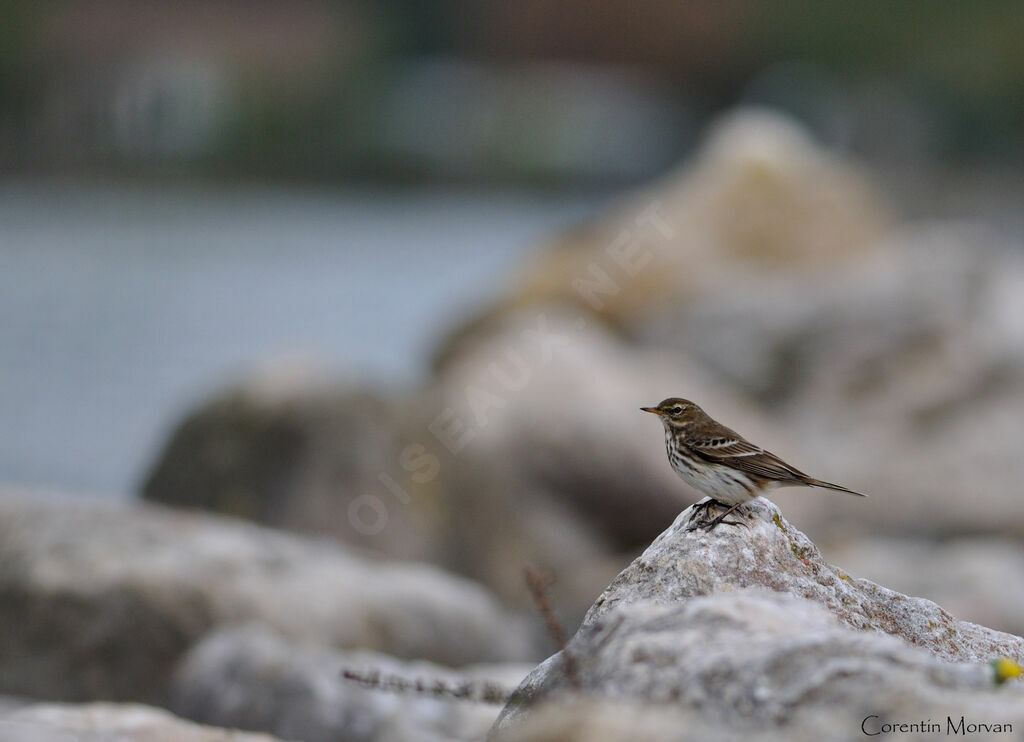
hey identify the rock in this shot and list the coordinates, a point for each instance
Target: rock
(100, 600)
(759, 196)
(915, 350)
(889, 332)
(108, 722)
(976, 578)
(292, 448)
(608, 720)
(751, 629)
(13, 703)
(745, 665)
(772, 554)
(252, 679)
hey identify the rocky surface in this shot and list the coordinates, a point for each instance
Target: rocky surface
(100, 600)
(107, 722)
(750, 628)
(252, 679)
(975, 578)
(291, 447)
(746, 665)
(771, 553)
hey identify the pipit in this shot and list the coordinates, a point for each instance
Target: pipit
(721, 464)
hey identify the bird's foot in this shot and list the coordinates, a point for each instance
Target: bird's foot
(701, 509)
(710, 525)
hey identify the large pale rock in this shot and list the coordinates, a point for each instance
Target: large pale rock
(99, 600)
(251, 679)
(896, 333)
(976, 578)
(293, 448)
(751, 629)
(108, 722)
(759, 195)
(745, 665)
(771, 553)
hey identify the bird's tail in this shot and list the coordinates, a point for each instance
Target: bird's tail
(812, 482)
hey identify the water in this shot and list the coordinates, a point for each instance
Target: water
(121, 307)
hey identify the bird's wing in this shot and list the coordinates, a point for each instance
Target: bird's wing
(743, 455)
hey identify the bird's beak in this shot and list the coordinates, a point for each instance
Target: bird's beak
(655, 410)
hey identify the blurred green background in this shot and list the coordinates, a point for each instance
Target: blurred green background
(535, 91)
(191, 188)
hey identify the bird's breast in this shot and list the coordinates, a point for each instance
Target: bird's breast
(723, 483)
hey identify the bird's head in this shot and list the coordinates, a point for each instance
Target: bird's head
(674, 410)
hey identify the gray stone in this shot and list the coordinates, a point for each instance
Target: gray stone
(294, 448)
(749, 629)
(98, 600)
(108, 722)
(771, 553)
(976, 578)
(759, 195)
(916, 349)
(252, 679)
(755, 663)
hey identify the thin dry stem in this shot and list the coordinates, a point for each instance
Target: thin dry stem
(538, 584)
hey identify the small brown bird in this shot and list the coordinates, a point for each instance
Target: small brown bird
(718, 462)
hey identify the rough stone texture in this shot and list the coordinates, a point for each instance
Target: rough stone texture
(99, 600)
(752, 662)
(251, 679)
(749, 634)
(293, 448)
(107, 722)
(772, 554)
(978, 579)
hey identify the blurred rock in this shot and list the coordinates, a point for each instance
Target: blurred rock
(760, 196)
(605, 720)
(978, 579)
(891, 330)
(251, 679)
(904, 375)
(551, 461)
(745, 665)
(750, 629)
(108, 722)
(99, 600)
(13, 703)
(291, 448)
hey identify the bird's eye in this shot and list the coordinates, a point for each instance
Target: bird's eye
(676, 410)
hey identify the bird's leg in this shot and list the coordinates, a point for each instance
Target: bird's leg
(701, 508)
(710, 525)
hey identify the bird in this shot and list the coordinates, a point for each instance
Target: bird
(722, 464)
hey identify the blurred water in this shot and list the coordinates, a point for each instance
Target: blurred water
(121, 306)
